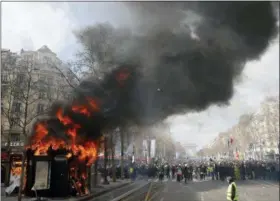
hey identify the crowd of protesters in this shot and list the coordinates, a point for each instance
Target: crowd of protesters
(193, 169)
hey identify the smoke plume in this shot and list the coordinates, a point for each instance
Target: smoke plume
(179, 56)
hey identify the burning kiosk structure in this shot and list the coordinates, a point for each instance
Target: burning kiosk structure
(58, 167)
(63, 147)
(57, 164)
(57, 174)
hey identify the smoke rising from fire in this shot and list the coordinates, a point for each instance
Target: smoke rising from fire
(190, 73)
(162, 69)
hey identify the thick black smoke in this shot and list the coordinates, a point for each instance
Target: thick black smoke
(170, 70)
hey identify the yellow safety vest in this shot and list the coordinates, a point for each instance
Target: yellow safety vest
(229, 192)
(237, 173)
(131, 170)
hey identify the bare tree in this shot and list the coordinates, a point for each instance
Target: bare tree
(99, 48)
(36, 92)
(8, 88)
(270, 110)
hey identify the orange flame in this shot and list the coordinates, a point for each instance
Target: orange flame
(122, 76)
(69, 155)
(40, 131)
(15, 170)
(93, 104)
(81, 109)
(63, 119)
(76, 147)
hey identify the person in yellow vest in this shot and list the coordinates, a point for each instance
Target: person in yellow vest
(211, 171)
(232, 190)
(237, 172)
(131, 171)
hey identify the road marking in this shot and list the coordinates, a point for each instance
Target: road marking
(149, 191)
(202, 196)
(161, 199)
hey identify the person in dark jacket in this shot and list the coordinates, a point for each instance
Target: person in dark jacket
(216, 171)
(168, 171)
(190, 171)
(186, 173)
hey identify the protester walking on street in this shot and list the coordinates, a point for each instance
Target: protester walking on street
(232, 190)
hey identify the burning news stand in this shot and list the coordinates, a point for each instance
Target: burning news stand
(58, 173)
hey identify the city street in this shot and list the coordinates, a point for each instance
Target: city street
(118, 192)
(216, 191)
(110, 101)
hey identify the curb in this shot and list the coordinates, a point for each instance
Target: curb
(94, 195)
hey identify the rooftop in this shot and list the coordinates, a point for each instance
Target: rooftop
(45, 48)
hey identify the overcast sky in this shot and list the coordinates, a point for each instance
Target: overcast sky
(32, 25)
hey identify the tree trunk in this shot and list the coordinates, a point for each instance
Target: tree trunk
(113, 158)
(105, 161)
(22, 175)
(89, 179)
(23, 162)
(95, 172)
(96, 166)
(9, 156)
(122, 152)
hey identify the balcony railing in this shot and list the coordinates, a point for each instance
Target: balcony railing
(13, 144)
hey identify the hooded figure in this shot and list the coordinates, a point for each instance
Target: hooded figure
(232, 190)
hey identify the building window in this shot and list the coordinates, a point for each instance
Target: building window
(49, 94)
(20, 78)
(4, 90)
(15, 137)
(50, 80)
(16, 121)
(41, 95)
(42, 82)
(16, 107)
(42, 78)
(4, 78)
(40, 108)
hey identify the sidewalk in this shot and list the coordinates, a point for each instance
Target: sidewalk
(97, 191)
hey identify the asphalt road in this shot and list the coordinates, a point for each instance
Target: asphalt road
(216, 191)
(117, 192)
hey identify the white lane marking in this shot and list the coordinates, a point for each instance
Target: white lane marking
(202, 196)
(165, 190)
